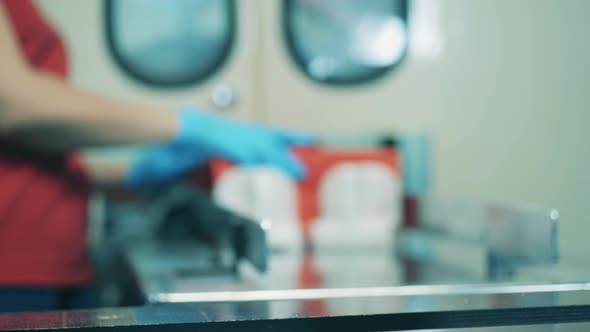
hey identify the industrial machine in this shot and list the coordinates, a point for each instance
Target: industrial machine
(436, 276)
(181, 261)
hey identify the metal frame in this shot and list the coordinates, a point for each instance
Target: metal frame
(510, 236)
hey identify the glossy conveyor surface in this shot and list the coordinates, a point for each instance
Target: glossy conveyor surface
(475, 306)
(177, 277)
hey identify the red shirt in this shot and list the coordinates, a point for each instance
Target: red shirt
(42, 204)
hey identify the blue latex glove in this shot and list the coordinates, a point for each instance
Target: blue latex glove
(240, 142)
(203, 136)
(161, 164)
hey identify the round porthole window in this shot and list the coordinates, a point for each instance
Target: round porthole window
(171, 42)
(346, 41)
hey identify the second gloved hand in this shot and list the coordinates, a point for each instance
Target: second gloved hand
(240, 142)
(160, 164)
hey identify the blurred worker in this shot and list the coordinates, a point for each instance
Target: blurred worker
(43, 193)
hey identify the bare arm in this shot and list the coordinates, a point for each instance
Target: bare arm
(106, 172)
(41, 110)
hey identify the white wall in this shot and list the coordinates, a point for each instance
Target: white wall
(505, 100)
(510, 107)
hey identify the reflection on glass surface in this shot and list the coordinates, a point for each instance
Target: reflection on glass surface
(170, 42)
(346, 40)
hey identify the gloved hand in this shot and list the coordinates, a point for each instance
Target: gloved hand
(160, 164)
(203, 136)
(240, 142)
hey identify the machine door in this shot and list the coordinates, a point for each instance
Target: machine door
(341, 63)
(161, 52)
